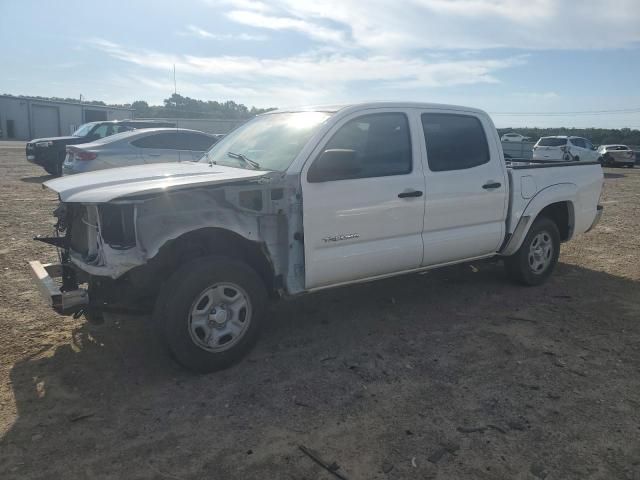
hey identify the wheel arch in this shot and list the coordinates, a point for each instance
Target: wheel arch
(556, 202)
(203, 242)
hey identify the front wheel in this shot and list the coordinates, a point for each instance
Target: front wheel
(210, 312)
(538, 255)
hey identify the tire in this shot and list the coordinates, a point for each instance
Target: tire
(524, 266)
(55, 168)
(576, 159)
(210, 312)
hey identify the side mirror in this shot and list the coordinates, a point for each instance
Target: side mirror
(334, 164)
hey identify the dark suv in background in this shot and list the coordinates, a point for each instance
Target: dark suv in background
(49, 153)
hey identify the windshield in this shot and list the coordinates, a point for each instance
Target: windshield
(552, 142)
(84, 130)
(271, 141)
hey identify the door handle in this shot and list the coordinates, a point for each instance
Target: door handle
(413, 193)
(491, 185)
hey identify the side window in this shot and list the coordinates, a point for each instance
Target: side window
(166, 141)
(375, 145)
(578, 142)
(103, 130)
(454, 142)
(194, 141)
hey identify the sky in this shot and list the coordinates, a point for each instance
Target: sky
(545, 63)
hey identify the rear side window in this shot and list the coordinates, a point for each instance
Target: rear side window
(104, 130)
(194, 141)
(552, 142)
(166, 141)
(454, 142)
(381, 142)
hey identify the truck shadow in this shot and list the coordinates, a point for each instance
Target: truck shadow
(86, 407)
(614, 175)
(38, 179)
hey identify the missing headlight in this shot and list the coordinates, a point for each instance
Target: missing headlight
(117, 227)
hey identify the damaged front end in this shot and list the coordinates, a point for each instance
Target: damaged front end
(113, 253)
(91, 241)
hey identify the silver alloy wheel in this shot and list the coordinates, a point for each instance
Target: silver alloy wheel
(219, 317)
(540, 252)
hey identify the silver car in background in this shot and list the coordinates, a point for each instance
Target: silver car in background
(148, 145)
(612, 155)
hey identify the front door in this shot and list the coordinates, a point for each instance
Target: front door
(363, 218)
(466, 194)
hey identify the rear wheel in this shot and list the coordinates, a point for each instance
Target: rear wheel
(212, 312)
(537, 257)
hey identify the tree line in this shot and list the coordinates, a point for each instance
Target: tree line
(177, 106)
(598, 136)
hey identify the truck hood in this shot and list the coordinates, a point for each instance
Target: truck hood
(117, 183)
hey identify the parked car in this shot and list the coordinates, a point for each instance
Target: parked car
(297, 201)
(137, 147)
(612, 155)
(564, 149)
(514, 137)
(49, 153)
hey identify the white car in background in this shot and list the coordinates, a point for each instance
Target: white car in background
(616, 155)
(565, 149)
(138, 147)
(514, 137)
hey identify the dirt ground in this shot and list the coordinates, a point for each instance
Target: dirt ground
(453, 374)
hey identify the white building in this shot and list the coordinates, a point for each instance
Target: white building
(25, 118)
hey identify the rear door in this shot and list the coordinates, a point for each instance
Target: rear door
(367, 222)
(466, 187)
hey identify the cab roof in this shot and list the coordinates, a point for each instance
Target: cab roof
(368, 105)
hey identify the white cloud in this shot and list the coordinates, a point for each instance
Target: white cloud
(380, 48)
(312, 29)
(381, 25)
(319, 68)
(194, 31)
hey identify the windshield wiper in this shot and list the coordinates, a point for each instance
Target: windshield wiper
(240, 156)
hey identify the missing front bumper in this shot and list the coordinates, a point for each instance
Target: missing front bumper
(63, 302)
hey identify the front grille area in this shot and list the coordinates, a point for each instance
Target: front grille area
(118, 230)
(77, 228)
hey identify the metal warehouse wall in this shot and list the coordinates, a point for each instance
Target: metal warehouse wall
(18, 111)
(34, 118)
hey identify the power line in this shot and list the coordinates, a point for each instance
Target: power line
(560, 114)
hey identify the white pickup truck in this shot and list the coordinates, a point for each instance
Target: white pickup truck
(300, 200)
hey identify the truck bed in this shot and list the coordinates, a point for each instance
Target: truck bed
(544, 182)
(521, 163)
